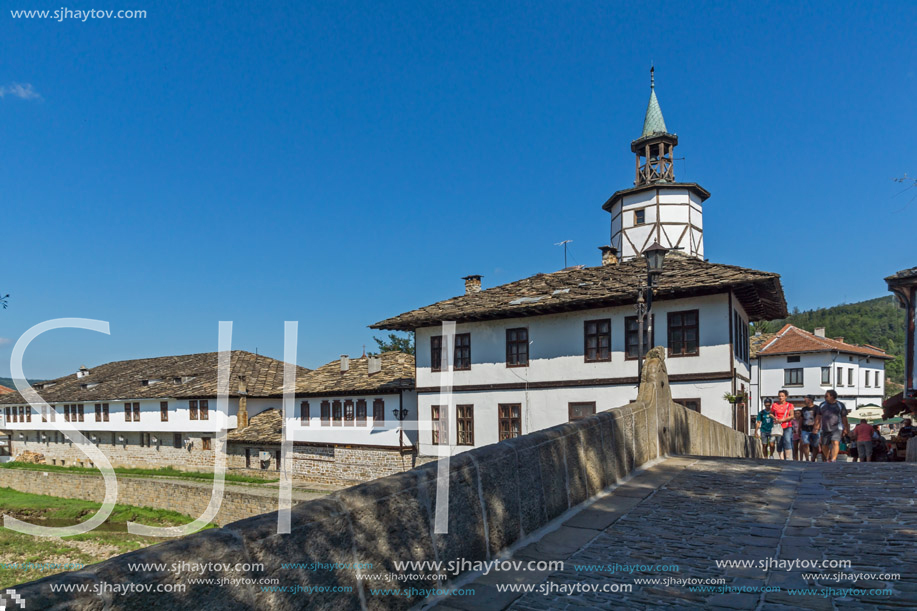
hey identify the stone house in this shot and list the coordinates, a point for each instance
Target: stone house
(150, 412)
(348, 424)
(352, 422)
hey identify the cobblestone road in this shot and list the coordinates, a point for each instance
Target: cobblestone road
(693, 512)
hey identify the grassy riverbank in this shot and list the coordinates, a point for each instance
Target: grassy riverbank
(161, 472)
(25, 557)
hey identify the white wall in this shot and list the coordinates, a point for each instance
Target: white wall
(386, 434)
(180, 422)
(544, 408)
(662, 206)
(150, 419)
(556, 346)
(556, 355)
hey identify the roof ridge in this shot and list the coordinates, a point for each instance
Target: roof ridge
(817, 339)
(823, 343)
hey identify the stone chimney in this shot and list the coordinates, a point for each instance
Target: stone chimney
(819, 331)
(345, 363)
(609, 255)
(373, 364)
(472, 284)
(242, 417)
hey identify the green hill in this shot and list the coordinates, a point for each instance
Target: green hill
(8, 382)
(879, 322)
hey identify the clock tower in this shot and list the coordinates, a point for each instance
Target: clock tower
(657, 208)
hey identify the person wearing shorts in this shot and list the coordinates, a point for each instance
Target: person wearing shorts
(808, 437)
(831, 423)
(764, 425)
(783, 417)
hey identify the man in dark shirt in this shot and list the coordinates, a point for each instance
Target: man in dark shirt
(831, 422)
(807, 434)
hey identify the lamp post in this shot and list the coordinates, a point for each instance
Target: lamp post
(400, 414)
(655, 256)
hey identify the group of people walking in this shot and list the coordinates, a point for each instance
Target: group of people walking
(803, 433)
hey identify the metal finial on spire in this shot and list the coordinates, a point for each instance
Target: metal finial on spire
(652, 77)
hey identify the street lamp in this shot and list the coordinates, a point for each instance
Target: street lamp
(655, 256)
(400, 413)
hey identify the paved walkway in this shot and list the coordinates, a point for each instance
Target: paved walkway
(692, 512)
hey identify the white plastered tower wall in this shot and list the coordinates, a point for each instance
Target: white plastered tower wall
(672, 216)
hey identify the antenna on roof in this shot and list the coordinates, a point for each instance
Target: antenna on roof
(564, 244)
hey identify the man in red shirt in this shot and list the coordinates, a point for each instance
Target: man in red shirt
(862, 434)
(784, 415)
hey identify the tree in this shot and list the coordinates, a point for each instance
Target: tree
(396, 343)
(4, 301)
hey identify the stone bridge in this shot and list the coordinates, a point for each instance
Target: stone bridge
(648, 491)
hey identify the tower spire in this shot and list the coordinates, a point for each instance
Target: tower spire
(654, 147)
(653, 122)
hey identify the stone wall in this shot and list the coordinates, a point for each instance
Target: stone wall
(190, 498)
(498, 494)
(325, 464)
(126, 453)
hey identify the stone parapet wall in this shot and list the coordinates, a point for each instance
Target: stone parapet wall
(498, 494)
(329, 464)
(128, 453)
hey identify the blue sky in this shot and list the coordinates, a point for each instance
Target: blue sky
(336, 163)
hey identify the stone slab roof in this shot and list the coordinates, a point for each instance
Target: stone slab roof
(757, 342)
(793, 340)
(760, 293)
(905, 276)
(263, 428)
(197, 374)
(397, 373)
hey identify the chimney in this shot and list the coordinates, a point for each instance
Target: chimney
(345, 363)
(472, 284)
(839, 339)
(83, 372)
(373, 364)
(819, 331)
(242, 417)
(609, 255)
